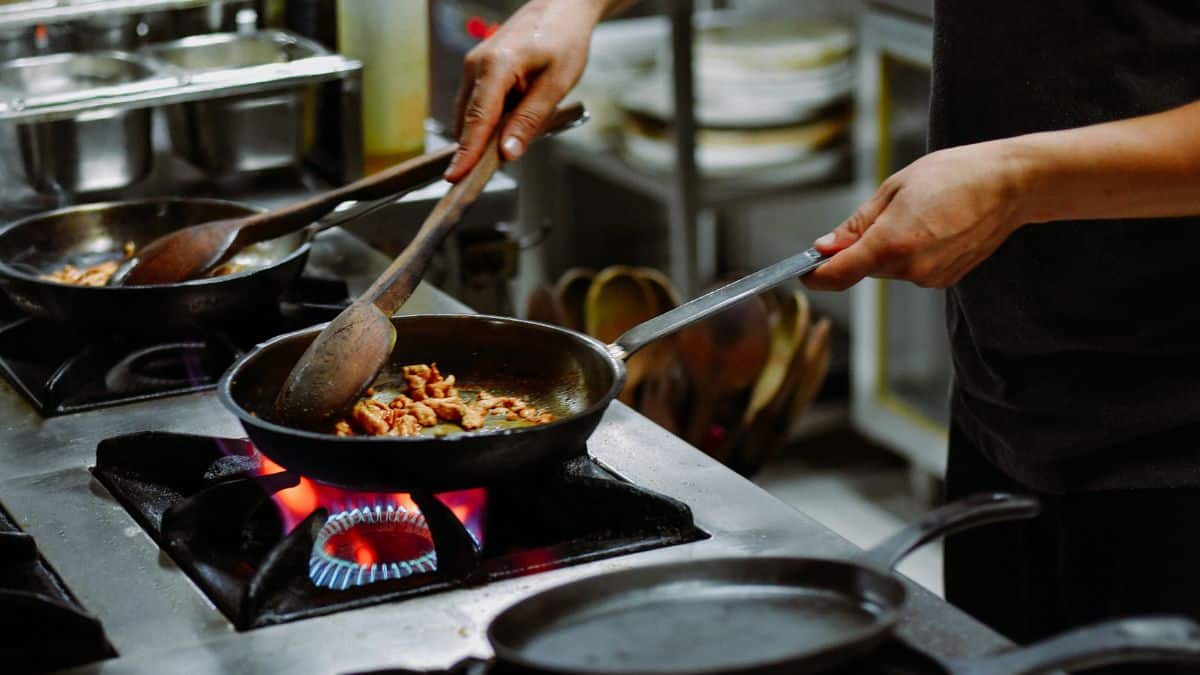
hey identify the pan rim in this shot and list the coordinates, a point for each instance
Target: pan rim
(886, 621)
(225, 387)
(10, 271)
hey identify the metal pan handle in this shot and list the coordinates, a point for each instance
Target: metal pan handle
(1142, 640)
(973, 511)
(692, 311)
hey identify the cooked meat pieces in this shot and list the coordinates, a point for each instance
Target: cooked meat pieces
(98, 275)
(429, 399)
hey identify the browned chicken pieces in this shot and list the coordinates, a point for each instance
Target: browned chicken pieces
(428, 400)
(98, 275)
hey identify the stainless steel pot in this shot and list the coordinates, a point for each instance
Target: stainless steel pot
(238, 134)
(102, 149)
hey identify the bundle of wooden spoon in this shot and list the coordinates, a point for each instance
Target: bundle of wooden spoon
(732, 385)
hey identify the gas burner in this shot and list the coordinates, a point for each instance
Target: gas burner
(368, 544)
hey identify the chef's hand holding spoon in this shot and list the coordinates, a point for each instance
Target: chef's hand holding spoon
(536, 57)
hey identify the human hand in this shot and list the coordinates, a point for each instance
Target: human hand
(539, 53)
(930, 223)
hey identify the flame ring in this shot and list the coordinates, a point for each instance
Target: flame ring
(335, 573)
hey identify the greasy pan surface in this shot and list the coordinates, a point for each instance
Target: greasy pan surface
(570, 374)
(736, 615)
(92, 233)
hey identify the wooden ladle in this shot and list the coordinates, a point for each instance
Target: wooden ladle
(348, 354)
(192, 252)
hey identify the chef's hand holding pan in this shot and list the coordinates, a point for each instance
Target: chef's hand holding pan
(534, 59)
(938, 218)
(930, 223)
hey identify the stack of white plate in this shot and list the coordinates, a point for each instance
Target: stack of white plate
(767, 94)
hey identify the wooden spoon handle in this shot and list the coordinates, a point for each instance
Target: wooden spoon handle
(401, 177)
(392, 288)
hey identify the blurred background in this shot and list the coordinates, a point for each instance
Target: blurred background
(724, 137)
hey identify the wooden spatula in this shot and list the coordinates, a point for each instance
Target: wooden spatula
(348, 354)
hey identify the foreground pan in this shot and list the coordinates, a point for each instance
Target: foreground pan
(786, 615)
(573, 375)
(730, 615)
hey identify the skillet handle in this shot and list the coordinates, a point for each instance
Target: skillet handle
(710, 303)
(1141, 640)
(966, 513)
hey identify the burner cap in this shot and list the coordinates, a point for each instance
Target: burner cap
(371, 543)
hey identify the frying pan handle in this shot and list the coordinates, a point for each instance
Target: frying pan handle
(973, 511)
(726, 296)
(1144, 640)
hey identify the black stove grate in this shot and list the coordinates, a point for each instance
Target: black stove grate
(42, 625)
(207, 504)
(62, 371)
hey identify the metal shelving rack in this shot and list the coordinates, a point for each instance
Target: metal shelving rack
(691, 200)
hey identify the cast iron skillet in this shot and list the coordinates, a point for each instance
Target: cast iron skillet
(781, 615)
(92, 233)
(573, 375)
(730, 615)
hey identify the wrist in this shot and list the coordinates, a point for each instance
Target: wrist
(1025, 167)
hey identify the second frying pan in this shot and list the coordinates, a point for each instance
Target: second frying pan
(729, 615)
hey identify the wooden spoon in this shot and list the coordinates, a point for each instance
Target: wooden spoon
(572, 290)
(617, 301)
(194, 251)
(348, 354)
(543, 306)
(787, 338)
(723, 356)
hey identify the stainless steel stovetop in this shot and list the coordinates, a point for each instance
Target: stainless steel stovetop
(159, 622)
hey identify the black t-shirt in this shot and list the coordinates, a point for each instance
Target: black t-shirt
(1077, 345)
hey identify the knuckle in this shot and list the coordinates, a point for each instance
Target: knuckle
(526, 120)
(475, 113)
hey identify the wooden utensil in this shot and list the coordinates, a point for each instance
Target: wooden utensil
(194, 251)
(572, 290)
(723, 355)
(787, 338)
(349, 353)
(803, 383)
(617, 301)
(662, 388)
(543, 306)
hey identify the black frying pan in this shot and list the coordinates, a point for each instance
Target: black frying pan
(729, 615)
(573, 375)
(93, 233)
(1148, 640)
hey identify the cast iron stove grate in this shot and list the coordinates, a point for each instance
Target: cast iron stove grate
(61, 371)
(42, 625)
(218, 509)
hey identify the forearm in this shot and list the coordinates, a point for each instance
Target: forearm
(1136, 168)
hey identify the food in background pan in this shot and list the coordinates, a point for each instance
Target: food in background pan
(430, 400)
(99, 274)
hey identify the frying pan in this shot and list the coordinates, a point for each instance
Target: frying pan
(730, 615)
(573, 375)
(93, 233)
